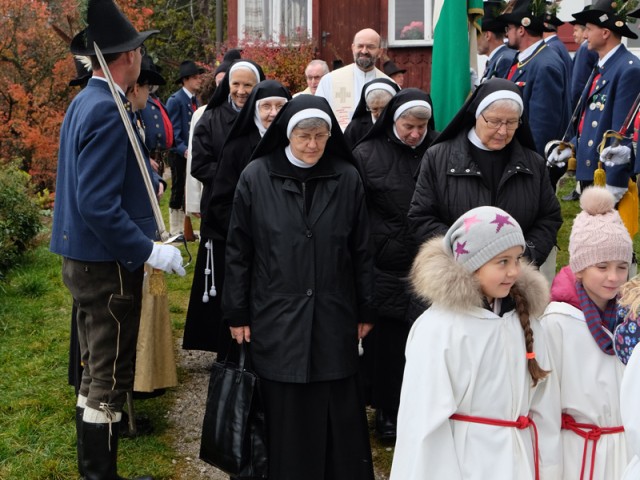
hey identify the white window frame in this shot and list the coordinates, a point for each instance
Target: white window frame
(274, 36)
(427, 21)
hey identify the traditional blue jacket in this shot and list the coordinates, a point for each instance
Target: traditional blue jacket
(180, 112)
(500, 63)
(102, 211)
(561, 49)
(545, 90)
(583, 63)
(605, 109)
(155, 134)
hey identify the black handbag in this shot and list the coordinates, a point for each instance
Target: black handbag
(234, 427)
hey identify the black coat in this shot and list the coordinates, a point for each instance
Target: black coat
(389, 170)
(208, 138)
(302, 282)
(450, 184)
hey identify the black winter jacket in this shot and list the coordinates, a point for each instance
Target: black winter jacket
(389, 170)
(450, 184)
(208, 139)
(302, 282)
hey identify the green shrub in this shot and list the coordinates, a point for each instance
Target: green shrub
(19, 215)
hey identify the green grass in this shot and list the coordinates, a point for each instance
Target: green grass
(37, 430)
(37, 427)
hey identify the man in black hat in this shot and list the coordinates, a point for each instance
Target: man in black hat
(394, 72)
(491, 43)
(103, 227)
(607, 97)
(540, 74)
(155, 117)
(181, 106)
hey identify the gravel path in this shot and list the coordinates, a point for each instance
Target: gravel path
(188, 411)
(185, 418)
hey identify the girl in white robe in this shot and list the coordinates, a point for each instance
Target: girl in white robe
(475, 382)
(579, 323)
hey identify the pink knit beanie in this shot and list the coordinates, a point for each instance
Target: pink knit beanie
(598, 234)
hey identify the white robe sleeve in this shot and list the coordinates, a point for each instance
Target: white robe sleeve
(424, 443)
(193, 188)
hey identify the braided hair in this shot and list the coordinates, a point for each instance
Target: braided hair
(522, 308)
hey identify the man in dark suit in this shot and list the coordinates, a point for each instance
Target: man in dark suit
(103, 226)
(612, 89)
(552, 22)
(491, 43)
(181, 106)
(540, 74)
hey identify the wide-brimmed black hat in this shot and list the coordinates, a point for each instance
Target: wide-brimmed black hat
(579, 22)
(390, 68)
(150, 72)
(188, 68)
(83, 74)
(109, 28)
(609, 14)
(492, 10)
(527, 13)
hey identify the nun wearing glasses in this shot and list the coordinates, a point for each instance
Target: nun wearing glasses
(486, 156)
(299, 281)
(388, 158)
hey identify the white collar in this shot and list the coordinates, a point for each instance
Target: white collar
(495, 51)
(527, 52)
(189, 94)
(546, 40)
(604, 59)
(107, 82)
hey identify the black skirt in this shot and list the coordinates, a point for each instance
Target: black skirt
(317, 431)
(204, 328)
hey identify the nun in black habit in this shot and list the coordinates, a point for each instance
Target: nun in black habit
(204, 318)
(299, 290)
(486, 156)
(374, 97)
(388, 158)
(264, 103)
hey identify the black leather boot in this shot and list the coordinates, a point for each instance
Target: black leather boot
(79, 413)
(100, 452)
(386, 424)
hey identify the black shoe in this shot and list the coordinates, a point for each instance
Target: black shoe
(386, 424)
(572, 197)
(143, 426)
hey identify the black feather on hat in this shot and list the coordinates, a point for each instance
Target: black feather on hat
(492, 10)
(109, 28)
(529, 14)
(610, 14)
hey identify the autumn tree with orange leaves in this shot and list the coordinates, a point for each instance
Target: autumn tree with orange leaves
(35, 68)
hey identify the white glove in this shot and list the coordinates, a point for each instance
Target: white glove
(166, 258)
(612, 156)
(558, 157)
(617, 192)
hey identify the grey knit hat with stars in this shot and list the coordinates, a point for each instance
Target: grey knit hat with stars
(481, 234)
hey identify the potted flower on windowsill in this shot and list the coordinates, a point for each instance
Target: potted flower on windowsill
(412, 31)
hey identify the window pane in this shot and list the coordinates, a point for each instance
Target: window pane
(409, 15)
(268, 20)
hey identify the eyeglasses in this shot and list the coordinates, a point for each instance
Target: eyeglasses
(313, 77)
(143, 50)
(306, 138)
(509, 27)
(496, 124)
(267, 107)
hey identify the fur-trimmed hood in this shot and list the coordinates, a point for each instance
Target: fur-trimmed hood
(437, 278)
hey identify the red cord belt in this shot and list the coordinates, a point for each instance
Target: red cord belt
(589, 433)
(521, 423)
